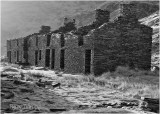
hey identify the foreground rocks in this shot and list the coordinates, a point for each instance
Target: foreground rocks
(27, 98)
(30, 96)
(150, 105)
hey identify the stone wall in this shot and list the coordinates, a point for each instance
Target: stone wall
(122, 43)
(15, 47)
(74, 59)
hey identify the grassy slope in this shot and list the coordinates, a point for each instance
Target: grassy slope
(131, 83)
(153, 21)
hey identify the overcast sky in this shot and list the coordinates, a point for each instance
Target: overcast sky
(21, 18)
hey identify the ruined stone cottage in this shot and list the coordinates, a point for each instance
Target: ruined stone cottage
(95, 48)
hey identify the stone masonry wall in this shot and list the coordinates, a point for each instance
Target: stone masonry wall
(74, 54)
(122, 43)
(16, 49)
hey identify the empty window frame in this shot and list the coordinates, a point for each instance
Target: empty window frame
(62, 40)
(36, 57)
(87, 61)
(9, 56)
(80, 40)
(62, 54)
(9, 44)
(40, 54)
(36, 40)
(17, 56)
(53, 59)
(17, 42)
(47, 58)
(48, 39)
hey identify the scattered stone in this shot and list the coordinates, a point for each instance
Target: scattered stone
(40, 84)
(109, 106)
(10, 69)
(8, 110)
(9, 87)
(56, 72)
(10, 76)
(83, 106)
(98, 106)
(40, 68)
(18, 76)
(57, 85)
(60, 74)
(4, 75)
(23, 76)
(151, 104)
(7, 94)
(48, 82)
(56, 110)
(27, 98)
(137, 96)
(117, 106)
(50, 102)
(18, 82)
(28, 90)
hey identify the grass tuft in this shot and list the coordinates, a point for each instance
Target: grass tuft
(131, 82)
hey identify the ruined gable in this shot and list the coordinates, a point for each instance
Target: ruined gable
(95, 48)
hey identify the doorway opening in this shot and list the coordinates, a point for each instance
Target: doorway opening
(62, 59)
(9, 56)
(87, 61)
(36, 57)
(53, 59)
(47, 58)
(17, 56)
(48, 39)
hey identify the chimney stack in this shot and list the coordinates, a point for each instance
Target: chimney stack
(102, 16)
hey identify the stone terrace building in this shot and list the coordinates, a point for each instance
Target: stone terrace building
(96, 48)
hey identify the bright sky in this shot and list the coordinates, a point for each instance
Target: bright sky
(21, 18)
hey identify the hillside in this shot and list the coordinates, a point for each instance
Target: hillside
(153, 21)
(144, 8)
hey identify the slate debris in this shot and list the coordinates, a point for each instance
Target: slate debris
(26, 90)
(7, 94)
(17, 82)
(57, 109)
(40, 84)
(151, 104)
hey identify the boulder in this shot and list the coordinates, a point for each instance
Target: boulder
(150, 104)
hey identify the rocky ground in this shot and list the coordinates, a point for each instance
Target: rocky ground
(23, 95)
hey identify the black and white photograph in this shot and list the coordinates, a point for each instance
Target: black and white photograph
(79, 56)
